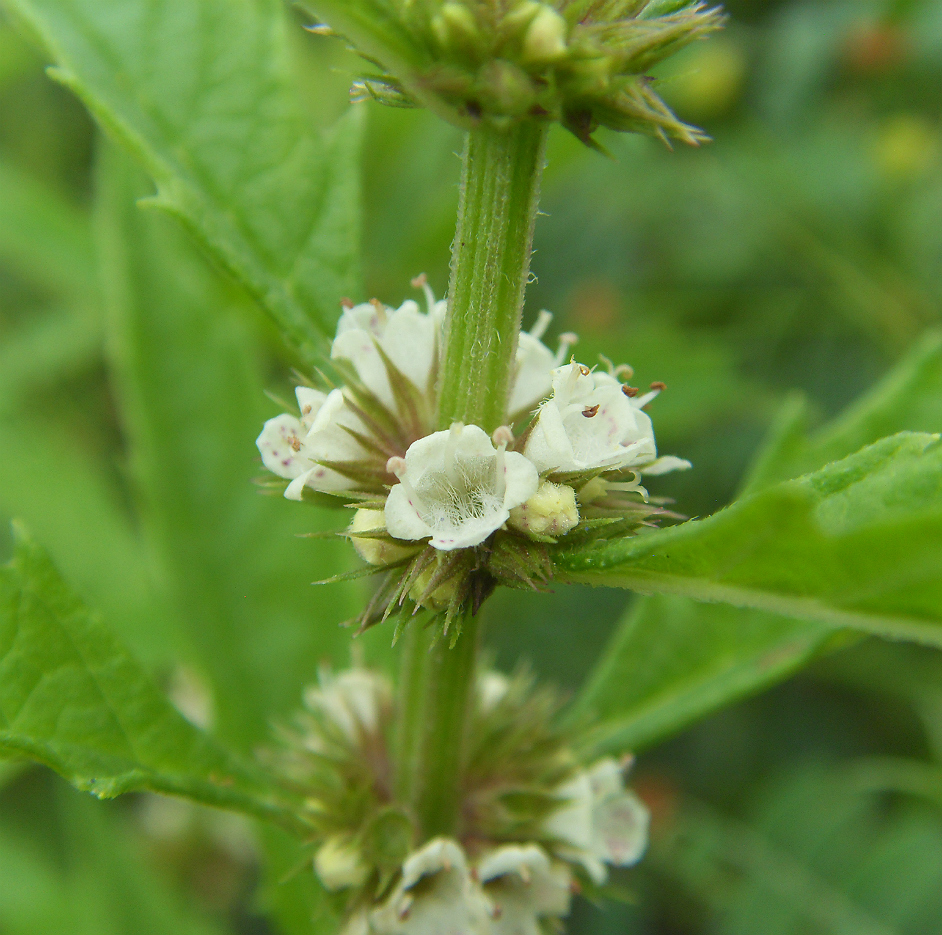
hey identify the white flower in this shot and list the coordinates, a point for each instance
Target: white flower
(354, 701)
(408, 337)
(524, 887)
(590, 423)
(448, 902)
(456, 488)
(619, 818)
(492, 687)
(601, 822)
(534, 365)
(290, 447)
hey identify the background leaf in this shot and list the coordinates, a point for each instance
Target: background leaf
(816, 854)
(72, 698)
(672, 659)
(202, 94)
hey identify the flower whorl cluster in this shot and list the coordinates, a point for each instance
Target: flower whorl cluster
(450, 514)
(583, 63)
(536, 826)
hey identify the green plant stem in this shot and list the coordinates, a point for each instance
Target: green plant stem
(490, 265)
(489, 271)
(436, 692)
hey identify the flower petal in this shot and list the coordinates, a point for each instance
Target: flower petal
(665, 464)
(280, 444)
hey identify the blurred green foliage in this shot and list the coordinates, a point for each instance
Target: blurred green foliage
(800, 250)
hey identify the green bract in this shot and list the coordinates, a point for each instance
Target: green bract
(582, 63)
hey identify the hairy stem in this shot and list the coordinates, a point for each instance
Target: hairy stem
(490, 265)
(489, 271)
(438, 739)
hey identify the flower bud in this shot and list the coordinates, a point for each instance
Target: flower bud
(506, 88)
(551, 511)
(338, 863)
(375, 551)
(545, 38)
(441, 597)
(456, 29)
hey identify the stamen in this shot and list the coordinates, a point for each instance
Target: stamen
(451, 454)
(574, 371)
(591, 411)
(629, 391)
(503, 435)
(346, 303)
(380, 310)
(657, 385)
(642, 401)
(566, 341)
(500, 470)
(421, 282)
(541, 324)
(397, 467)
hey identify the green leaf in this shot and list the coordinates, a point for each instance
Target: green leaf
(71, 697)
(908, 398)
(202, 93)
(188, 381)
(91, 877)
(857, 544)
(673, 661)
(56, 345)
(114, 575)
(819, 853)
(44, 236)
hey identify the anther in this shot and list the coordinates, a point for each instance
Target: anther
(421, 282)
(591, 411)
(502, 436)
(346, 303)
(658, 386)
(396, 466)
(629, 391)
(584, 370)
(294, 442)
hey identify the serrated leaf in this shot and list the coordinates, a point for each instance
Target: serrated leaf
(202, 94)
(71, 697)
(908, 398)
(857, 544)
(187, 381)
(674, 660)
